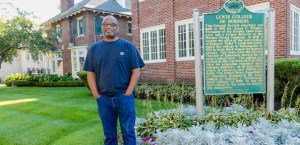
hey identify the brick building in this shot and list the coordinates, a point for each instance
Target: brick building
(78, 26)
(163, 32)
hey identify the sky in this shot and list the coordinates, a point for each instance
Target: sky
(43, 9)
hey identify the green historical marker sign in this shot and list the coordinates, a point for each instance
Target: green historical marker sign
(234, 54)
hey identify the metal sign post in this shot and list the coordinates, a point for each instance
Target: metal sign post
(198, 65)
(271, 49)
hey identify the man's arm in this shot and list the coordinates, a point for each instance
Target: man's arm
(133, 81)
(91, 78)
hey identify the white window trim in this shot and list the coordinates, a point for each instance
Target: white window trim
(56, 59)
(186, 21)
(141, 42)
(78, 29)
(260, 6)
(297, 10)
(128, 28)
(76, 49)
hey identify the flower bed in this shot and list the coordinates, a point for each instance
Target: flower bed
(276, 128)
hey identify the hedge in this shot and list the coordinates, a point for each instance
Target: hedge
(287, 75)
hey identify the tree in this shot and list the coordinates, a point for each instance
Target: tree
(21, 32)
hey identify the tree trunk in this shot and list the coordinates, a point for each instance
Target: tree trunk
(1, 60)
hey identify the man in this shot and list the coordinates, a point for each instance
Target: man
(113, 70)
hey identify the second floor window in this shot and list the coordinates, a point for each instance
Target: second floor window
(58, 32)
(129, 28)
(98, 25)
(79, 26)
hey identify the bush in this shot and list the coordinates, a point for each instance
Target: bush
(58, 84)
(10, 80)
(22, 83)
(83, 76)
(287, 76)
(50, 78)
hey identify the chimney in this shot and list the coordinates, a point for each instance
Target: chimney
(65, 5)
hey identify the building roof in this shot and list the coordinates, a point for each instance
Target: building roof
(104, 6)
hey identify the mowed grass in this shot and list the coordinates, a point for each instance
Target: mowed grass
(60, 116)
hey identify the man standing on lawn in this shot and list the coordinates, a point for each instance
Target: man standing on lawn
(113, 70)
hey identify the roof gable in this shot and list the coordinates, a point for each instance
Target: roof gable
(105, 6)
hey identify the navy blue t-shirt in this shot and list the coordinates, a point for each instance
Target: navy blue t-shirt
(112, 63)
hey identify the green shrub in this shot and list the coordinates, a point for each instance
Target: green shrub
(58, 84)
(10, 80)
(164, 122)
(83, 76)
(50, 78)
(22, 83)
(287, 80)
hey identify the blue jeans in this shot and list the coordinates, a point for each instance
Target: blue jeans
(110, 109)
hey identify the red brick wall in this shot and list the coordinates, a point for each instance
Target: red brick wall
(87, 39)
(149, 13)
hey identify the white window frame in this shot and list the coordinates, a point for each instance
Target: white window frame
(129, 22)
(77, 49)
(294, 9)
(57, 57)
(149, 30)
(79, 19)
(186, 23)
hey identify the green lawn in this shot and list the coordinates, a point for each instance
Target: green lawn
(60, 116)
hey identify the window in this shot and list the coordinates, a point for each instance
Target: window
(78, 58)
(78, 26)
(295, 30)
(185, 39)
(28, 56)
(98, 25)
(57, 63)
(129, 28)
(58, 32)
(153, 44)
(40, 57)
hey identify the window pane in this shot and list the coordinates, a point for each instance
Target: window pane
(145, 38)
(181, 41)
(296, 31)
(129, 28)
(80, 27)
(74, 61)
(81, 61)
(191, 40)
(154, 52)
(162, 44)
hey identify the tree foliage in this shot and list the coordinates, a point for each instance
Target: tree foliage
(21, 32)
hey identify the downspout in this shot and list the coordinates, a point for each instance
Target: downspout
(173, 23)
(286, 28)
